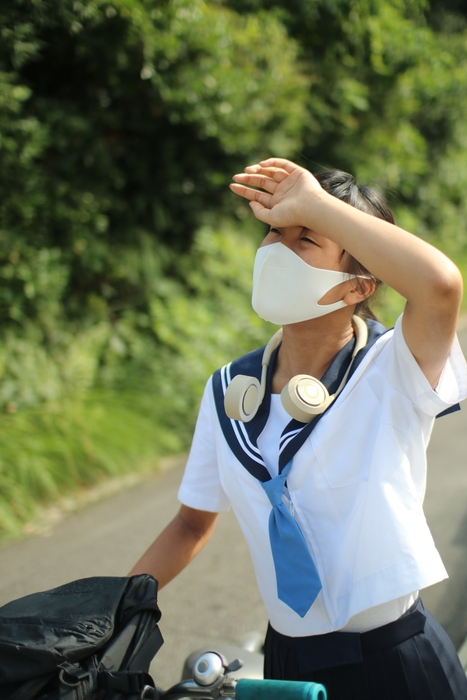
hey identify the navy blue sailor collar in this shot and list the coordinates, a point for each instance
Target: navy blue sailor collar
(242, 437)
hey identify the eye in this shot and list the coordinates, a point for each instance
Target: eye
(309, 240)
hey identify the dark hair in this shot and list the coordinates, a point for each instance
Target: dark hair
(343, 186)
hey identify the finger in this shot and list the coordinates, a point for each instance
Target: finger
(281, 163)
(265, 183)
(253, 195)
(277, 174)
(260, 212)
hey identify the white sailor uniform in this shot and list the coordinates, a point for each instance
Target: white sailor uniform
(356, 486)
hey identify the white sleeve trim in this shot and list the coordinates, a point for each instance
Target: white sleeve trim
(452, 385)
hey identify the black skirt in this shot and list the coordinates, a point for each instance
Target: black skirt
(409, 659)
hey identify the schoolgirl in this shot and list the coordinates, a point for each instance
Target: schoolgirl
(327, 478)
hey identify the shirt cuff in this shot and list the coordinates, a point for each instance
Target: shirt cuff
(452, 384)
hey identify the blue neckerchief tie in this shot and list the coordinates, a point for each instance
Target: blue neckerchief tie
(297, 577)
(298, 582)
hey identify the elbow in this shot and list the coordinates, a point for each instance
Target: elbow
(196, 525)
(447, 290)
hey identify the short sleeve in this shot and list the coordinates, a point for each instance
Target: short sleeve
(201, 487)
(405, 372)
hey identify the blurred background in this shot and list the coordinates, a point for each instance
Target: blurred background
(125, 260)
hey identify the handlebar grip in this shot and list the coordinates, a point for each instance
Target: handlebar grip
(247, 689)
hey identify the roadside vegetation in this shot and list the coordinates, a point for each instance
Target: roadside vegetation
(125, 262)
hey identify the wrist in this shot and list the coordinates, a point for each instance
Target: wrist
(315, 206)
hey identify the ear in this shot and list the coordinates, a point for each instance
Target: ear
(361, 289)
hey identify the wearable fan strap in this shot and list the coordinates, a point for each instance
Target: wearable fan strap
(298, 581)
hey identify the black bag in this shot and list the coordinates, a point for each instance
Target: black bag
(92, 639)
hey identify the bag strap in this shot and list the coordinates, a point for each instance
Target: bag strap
(77, 683)
(149, 605)
(137, 683)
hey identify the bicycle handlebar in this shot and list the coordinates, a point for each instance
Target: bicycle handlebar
(247, 689)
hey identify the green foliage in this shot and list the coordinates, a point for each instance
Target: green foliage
(125, 118)
(387, 101)
(72, 444)
(125, 263)
(110, 398)
(120, 125)
(156, 105)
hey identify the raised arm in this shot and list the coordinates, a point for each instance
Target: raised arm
(429, 281)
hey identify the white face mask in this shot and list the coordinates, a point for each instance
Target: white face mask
(287, 290)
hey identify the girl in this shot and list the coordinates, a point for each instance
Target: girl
(327, 477)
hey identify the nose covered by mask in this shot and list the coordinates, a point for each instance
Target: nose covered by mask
(287, 290)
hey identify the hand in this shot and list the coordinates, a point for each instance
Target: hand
(290, 192)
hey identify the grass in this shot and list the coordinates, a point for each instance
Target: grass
(50, 456)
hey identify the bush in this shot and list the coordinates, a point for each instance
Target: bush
(125, 263)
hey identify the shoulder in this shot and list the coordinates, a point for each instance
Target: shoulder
(392, 358)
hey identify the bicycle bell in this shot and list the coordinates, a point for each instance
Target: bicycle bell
(211, 667)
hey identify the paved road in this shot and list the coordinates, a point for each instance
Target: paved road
(215, 599)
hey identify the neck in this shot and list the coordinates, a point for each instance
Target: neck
(309, 347)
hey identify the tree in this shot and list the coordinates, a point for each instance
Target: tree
(387, 100)
(122, 123)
